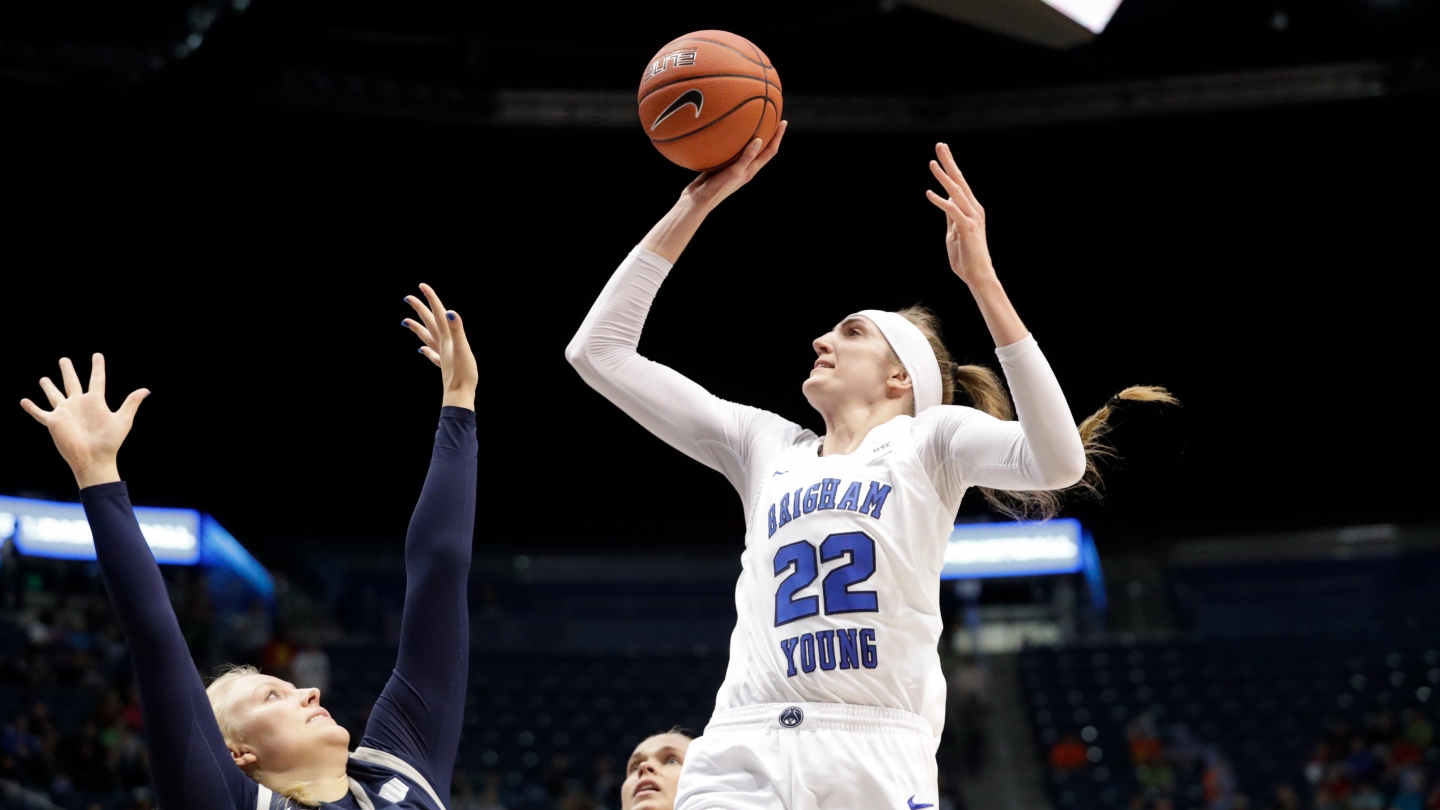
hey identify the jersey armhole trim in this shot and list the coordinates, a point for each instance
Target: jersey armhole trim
(400, 766)
(262, 799)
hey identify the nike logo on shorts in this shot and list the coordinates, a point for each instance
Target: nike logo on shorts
(914, 806)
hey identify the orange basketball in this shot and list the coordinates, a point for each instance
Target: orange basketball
(705, 96)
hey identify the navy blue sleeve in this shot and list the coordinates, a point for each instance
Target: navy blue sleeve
(419, 714)
(189, 764)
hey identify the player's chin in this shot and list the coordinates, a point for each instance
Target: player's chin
(330, 733)
(815, 390)
(653, 801)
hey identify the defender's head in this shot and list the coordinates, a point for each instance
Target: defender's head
(653, 772)
(271, 727)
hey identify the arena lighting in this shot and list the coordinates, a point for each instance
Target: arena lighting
(1014, 549)
(175, 536)
(1052, 23)
(1093, 14)
(1023, 549)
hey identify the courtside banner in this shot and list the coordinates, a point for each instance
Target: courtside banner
(59, 529)
(1013, 549)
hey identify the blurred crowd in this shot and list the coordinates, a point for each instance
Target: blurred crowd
(71, 729)
(1172, 766)
(1384, 763)
(563, 786)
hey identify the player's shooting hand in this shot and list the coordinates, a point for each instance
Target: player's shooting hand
(710, 188)
(965, 220)
(443, 334)
(87, 433)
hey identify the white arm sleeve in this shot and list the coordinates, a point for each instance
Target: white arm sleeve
(734, 439)
(963, 447)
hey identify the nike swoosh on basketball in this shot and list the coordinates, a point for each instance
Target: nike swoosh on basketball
(914, 806)
(693, 97)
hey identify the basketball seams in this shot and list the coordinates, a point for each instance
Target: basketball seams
(688, 152)
(727, 114)
(706, 76)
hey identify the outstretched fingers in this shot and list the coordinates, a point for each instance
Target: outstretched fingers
(51, 392)
(427, 318)
(420, 331)
(952, 188)
(436, 307)
(72, 380)
(41, 415)
(947, 160)
(456, 326)
(952, 211)
(97, 374)
(132, 403)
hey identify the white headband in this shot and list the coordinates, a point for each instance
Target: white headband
(913, 349)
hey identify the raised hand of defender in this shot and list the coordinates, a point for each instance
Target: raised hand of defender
(87, 433)
(965, 220)
(443, 334)
(711, 187)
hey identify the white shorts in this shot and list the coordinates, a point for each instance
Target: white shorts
(811, 756)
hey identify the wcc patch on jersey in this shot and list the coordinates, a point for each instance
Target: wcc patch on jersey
(378, 780)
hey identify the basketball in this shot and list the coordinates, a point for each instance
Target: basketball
(705, 95)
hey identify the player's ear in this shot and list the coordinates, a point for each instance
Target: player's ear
(245, 758)
(898, 384)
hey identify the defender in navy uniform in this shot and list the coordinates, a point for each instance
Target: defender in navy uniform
(256, 742)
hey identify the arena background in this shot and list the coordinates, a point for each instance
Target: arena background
(1234, 200)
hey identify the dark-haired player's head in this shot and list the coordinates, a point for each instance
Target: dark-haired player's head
(653, 771)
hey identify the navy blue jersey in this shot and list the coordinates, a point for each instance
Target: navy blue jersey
(377, 781)
(407, 754)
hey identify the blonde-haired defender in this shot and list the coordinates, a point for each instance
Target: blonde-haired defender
(834, 697)
(255, 742)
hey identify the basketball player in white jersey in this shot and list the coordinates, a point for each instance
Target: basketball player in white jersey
(834, 697)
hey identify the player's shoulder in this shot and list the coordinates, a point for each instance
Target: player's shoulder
(386, 776)
(943, 420)
(947, 413)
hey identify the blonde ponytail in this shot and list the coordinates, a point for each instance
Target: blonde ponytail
(987, 394)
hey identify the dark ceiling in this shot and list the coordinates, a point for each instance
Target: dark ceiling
(235, 224)
(445, 60)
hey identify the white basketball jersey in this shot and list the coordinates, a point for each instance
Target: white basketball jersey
(839, 599)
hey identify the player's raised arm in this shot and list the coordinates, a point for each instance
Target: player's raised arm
(190, 764)
(419, 715)
(717, 433)
(675, 230)
(1046, 452)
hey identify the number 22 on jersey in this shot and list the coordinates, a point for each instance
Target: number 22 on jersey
(802, 560)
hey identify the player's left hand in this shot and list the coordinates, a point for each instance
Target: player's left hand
(86, 432)
(443, 334)
(965, 220)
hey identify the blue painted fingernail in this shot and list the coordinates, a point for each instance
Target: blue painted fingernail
(450, 315)
(405, 323)
(422, 351)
